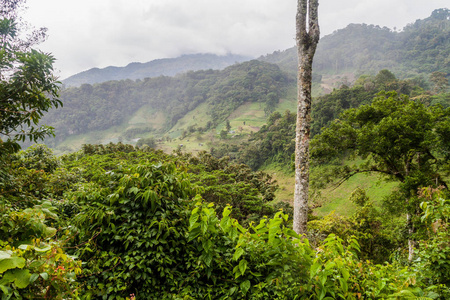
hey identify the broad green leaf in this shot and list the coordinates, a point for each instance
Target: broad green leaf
(343, 284)
(208, 259)
(133, 190)
(204, 226)
(24, 247)
(34, 277)
(313, 269)
(36, 264)
(245, 286)
(207, 245)
(242, 266)
(329, 265)
(232, 290)
(274, 229)
(20, 277)
(11, 263)
(238, 253)
(226, 211)
(345, 274)
(193, 219)
(291, 233)
(49, 231)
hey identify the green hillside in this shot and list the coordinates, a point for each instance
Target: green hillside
(421, 47)
(166, 105)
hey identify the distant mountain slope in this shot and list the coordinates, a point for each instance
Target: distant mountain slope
(167, 99)
(422, 47)
(155, 68)
(201, 101)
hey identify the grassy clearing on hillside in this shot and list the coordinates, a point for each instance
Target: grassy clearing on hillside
(331, 198)
(247, 118)
(147, 116)
(337, 199)
(198, 117)
(143, 118)
(74, 142)
(285, 180)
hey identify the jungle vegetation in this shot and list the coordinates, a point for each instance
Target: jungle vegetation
(118, 221)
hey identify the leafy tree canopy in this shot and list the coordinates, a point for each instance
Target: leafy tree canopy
(398, 137)
(28, 87)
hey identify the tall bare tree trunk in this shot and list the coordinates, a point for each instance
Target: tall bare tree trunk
(308, 35)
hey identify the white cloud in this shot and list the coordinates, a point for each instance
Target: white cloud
(85, 33)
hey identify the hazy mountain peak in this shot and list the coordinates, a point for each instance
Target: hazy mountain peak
(155, 68)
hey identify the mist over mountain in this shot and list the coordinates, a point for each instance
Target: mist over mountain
(155, 68)
(421, 47)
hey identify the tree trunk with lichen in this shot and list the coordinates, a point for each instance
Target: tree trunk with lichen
(308, 34)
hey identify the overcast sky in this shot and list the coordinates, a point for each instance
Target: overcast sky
(98, 33)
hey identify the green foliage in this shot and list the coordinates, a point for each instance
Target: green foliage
(132, 231)
(38, 270)
(139, 224)
(427, 43)
(137, 235)
(150, 142)
(377, 238)
(434, 253)
(328, 107)
(27, 85)
(440, 82)
(32, 262)
(398, 137)
(223, 183)
(39, 157)
(247, 191)
(275, 141)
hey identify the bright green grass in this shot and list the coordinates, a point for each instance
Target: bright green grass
(285, 180)
(246, 118)
(289, 102)
(197, 117)
(147, 116)
(332, 198)
(337, 199)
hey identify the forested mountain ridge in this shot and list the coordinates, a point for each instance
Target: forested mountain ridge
(167, 99)
(159, 106)
(155, 68)
(421, 47)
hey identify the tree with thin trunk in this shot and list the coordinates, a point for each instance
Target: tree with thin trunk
(400, 139)
(308, 34)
